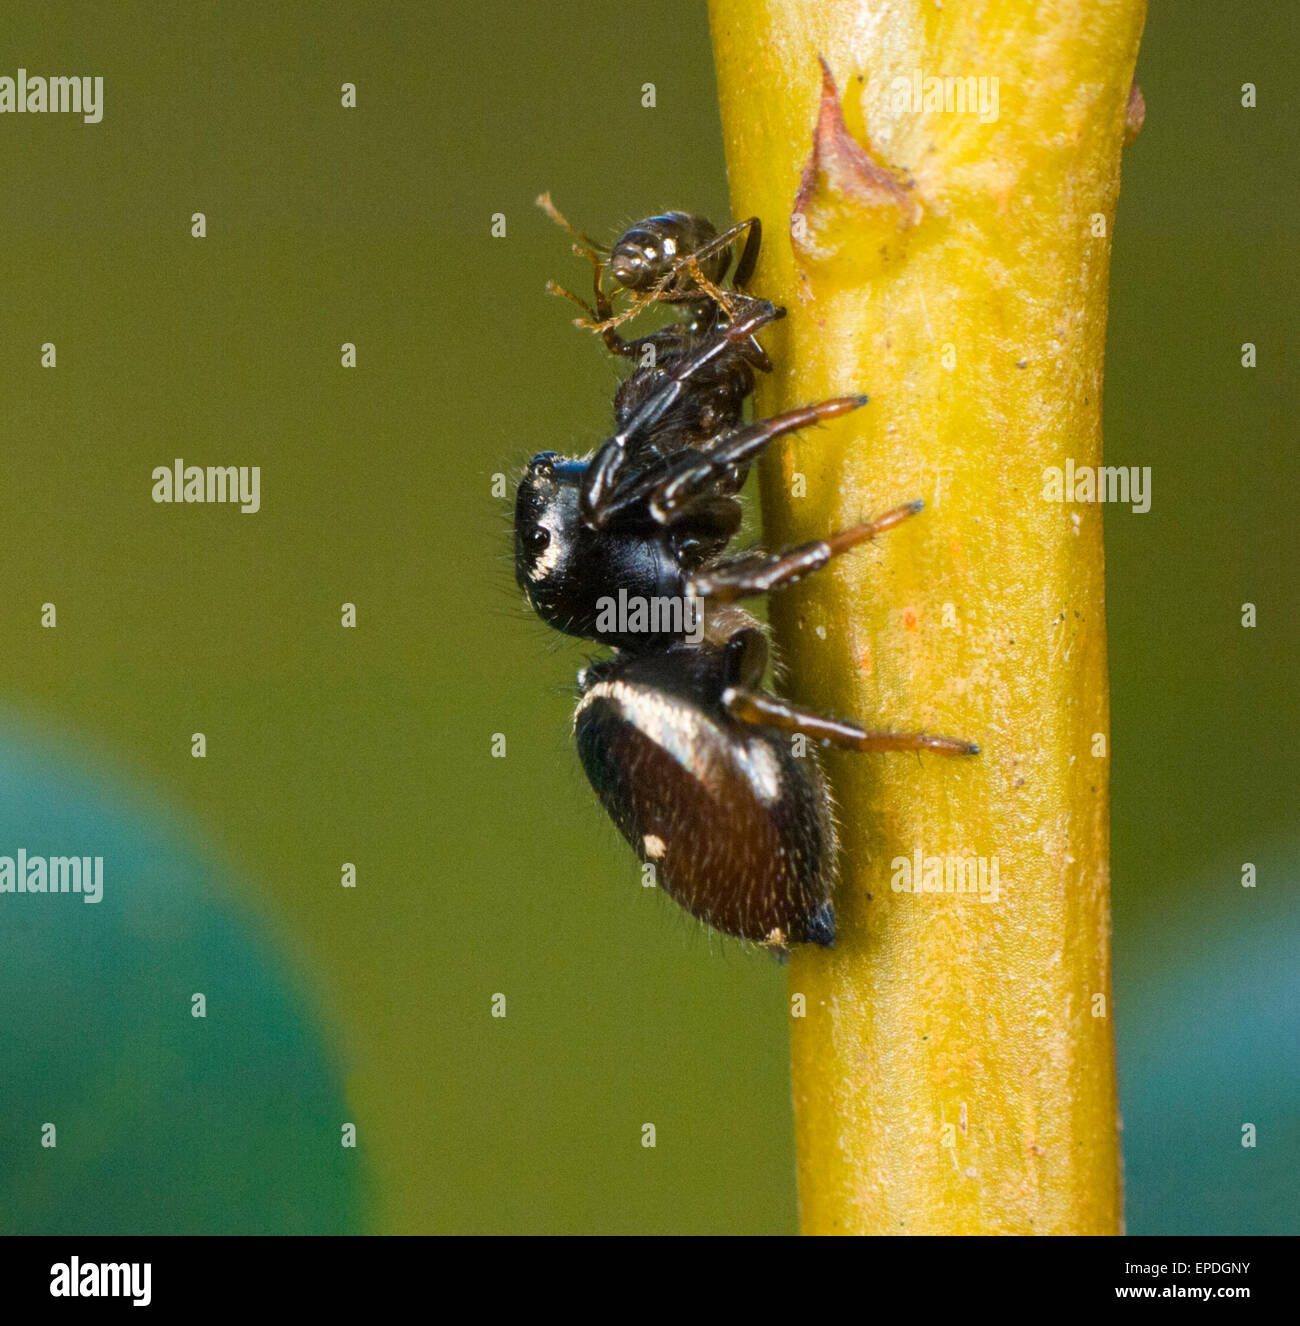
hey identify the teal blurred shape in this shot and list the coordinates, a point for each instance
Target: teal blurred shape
(1210, 1042)
(166, 1123)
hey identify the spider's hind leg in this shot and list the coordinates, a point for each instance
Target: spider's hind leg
(760, 709)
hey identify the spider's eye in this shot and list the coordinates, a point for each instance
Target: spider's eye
(537, 539)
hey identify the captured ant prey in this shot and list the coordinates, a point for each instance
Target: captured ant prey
(693, 759)
(677, 259)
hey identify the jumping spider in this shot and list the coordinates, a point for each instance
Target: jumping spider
(690, 756)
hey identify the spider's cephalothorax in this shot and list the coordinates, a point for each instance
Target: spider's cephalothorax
(699, 767)
(650, 512)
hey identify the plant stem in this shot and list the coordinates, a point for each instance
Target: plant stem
(954, 1072)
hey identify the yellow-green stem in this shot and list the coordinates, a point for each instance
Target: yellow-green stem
(954, 1071)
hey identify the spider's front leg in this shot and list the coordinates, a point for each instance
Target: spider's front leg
(601, 494)
(725, 306)
(692, 474)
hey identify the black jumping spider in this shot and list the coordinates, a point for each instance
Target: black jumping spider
(693, 760)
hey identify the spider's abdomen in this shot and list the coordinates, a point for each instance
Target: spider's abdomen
(738, 827)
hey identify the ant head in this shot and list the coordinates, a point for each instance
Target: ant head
(637, 260)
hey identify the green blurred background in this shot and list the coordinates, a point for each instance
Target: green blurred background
(478, 875)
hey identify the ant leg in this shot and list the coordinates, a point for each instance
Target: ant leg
(585, 243)
(670, 493)
(749, 255)
(600, 496)
(716, 245)
(554, 288)
(585, 247)
(637, 300)
(760, 573)
(600, 316)
(759, 709)
(730, 302)
(604, 320)
(715, 293)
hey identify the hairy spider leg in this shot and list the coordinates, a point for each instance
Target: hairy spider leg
(762, 572)
(670, 501)
(688, 474)
(760, 709)
(600, 487)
